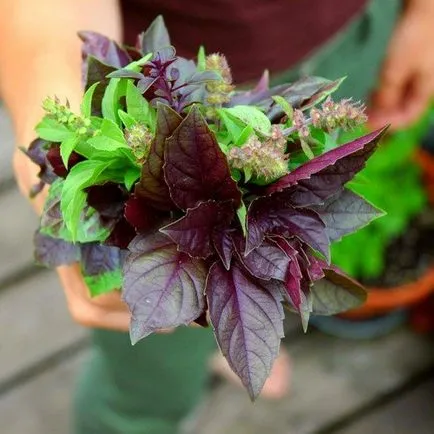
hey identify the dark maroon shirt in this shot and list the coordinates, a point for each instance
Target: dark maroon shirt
(253, 34)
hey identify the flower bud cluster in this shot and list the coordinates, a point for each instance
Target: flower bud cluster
(139, 138)
(63, 115)
(219, 90)
(258, 159)
(344, 114)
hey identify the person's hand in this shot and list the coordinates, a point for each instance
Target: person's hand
(407, 78)
(106, 311)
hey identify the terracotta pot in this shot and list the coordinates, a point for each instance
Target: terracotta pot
(385, 300)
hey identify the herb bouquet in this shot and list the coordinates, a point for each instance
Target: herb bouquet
(203, 203)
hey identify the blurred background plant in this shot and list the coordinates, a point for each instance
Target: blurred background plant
(392, 181)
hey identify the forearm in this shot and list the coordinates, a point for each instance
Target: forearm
(40, 55)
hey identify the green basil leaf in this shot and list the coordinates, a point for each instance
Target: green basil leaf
(86, 103)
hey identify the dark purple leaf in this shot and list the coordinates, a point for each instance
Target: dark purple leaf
(336, 293)
(104, 49)
(344, 213)
(56, 163)
(326, 174)
(202, 320)
(300, 94)
(154, 38)
(315, 269)
(144, 85)
(268, 215)
(304, 94)
(224, 246)
(247, 317)
(196, 169)
(139, 214)
(294, 276)
(99, 259)
(108, 199)
(54, 252)
(37, 152)
(152, 185)
(162, 286)
(121, 235)
(193, 233)
(266, 261)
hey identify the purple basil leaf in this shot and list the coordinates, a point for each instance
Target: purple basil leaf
(247, 317)
(104, 49)
(266, 261)
(315, 270)
(98, 259)
(260, 92)
(336, 293)
(56, 162)
(108, 199)
(152, 185)
(162, 286)
(326, 174)
(268, 215)
(196, 169)
(345, 213)
(296, 290)
(139, 215)
(53, 252)
(154, 38)
(121, 235)
(224, 246)
(304, 94)
(37, 152)
(145, 83)
(301, 94)
(193, 233)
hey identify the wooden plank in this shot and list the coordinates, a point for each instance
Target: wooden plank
(6, 145)
(41, 406)
(18, 223)
(34, 323)
(411, 413)
(331, 379)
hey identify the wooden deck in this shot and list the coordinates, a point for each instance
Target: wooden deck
(385, 386)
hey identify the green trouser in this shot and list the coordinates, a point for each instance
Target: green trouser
(151, 387)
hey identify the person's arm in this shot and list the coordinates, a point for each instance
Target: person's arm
(39, 57)
(407, 80)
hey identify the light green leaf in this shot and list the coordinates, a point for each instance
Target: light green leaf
(234, 126)
(53, 131)
(284, 105)
(250, 115)
(201, 59)
(111, 130)
(66, 149)
(86, 103)
(137, 106)
(306, 149)
(242, 217)
(110, 103)
(137, 65)
(244, 136)
(131, 177)
(126, 119)
(104, 283)
(73, 201)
